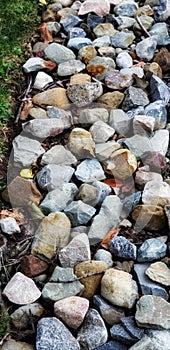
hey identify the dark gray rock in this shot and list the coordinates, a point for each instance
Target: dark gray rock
(70, 21)
(94, 20)
(113, 345)
(159, 90)
(53, 176)
(79, 213)
(130, 325)
(158, 111)
(134, 97)
(118, 332)
(54, 27)
(121, 247)
(53, 334)
(152, 249)
(110, 313)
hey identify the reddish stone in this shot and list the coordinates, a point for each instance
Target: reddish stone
(156, 161)
(32, 266)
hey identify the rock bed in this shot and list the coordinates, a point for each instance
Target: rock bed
(88, 181)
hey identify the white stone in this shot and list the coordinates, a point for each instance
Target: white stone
(41, 80)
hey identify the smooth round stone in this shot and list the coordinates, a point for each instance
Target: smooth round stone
(126, 9)
(78, 43)
(149, 217)
(70, 67)
(124, 60)
(41, 80)
(87, 53)
(158, 111)
(38, 113)
(81, 144)
(58, 53)
(89, 170)
(104, 255)
(35, 64)
(160, 30)
(99, 66)
(84, 94)
(159, 272)
(146, 48)
(151, 249)
(76, 32)
(122, 39)
(121, 247)
(124, 22)
(104, 29)
(21, 316)
(102, 41)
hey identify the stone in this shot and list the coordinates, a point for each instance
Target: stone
(70, 67)
(65, 12)
(142, 177)
(26, 151)
(81, 144)
(159, 272)
(124, 22)
(151, 249)
(22, 191)
(52, 233)
(84, 94)
(41, 80)
(167, 212)
(143, 125)
(104, 29)
(112, 288)
(103, 151)
(76, 32)
(134, 97)
(37, 113)
(120, 121)
(128, 9)
(32, 266)
(99, 66)
(153, 312)
(110, 313)
(58, 154)
(76, 251)
(159, 90)
(79, 213)
(111, 99)
(71, 310)
(58, 113)
(21, 290)
(122, 39)
(146, 21)
(153, 68)
(149, 217)
(103, 191)
(130, 202)
(80, 79)
(88, 194)
(160, 30)
(16, 345)
(78, 43)
(34, 64)
(144, 344)
(113, 344)
(146, 48)
(93, 20)
(108, 217)
(53, 334)
(90, 116)
(162, 57)
(124, 60)
(70, 21)
(107, 51)
(9, 226)
(39, 47)
(55, 97)
(21, 316)
(53, 176)
(121, 164)
(160, 141)
(130, 325)
(87, 53)
(160, 339)
(101, 132)
(58, 53)
(121, 247)
(146, 285)
(53, 27)
(89, 170)
(102, 41)
(158, 111)
(104, 255)
(93, 332)
(156, 193)
(119, 333)
(116, 79)
(96, 6)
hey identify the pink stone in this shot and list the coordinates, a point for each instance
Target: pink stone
(99, 7)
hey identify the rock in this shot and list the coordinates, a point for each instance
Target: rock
(160, 339)
(146, 48)
(62, 284)
(21, 290)
(145, 284)
(153, 68)
(107, 51)
(111, 99)
(162, 57)
(103, 190)
(76, 251)
(131, 326)
(156, 161)
(94, 20)
(89, 170)
(78, 43)
(58, 53)
(104, 29)
(59, 113)
(104, 150)
(16, 345)
(153, 312)
(134, 97)
(126, 9)
(55, 97)
(112, 288)
(90, 116)
(113, 344)
(87, 53)
(41, 80)
(143, 125)
(151, 249)
(88, 194)
(159, 90)
(124, 22)
(142, 177)
(156, 193)
(58, 154)
(122, 39)
(84, 94)
(146, 21)
(144, 344)
(80, 79)
(130, 202)
(119, 333)
(70, 67)
(81, 144)
(79, 213)
(22, 191)
(102, 41)
(21, 316)
(121, 164)
(53, 27)
(160, 31)
(111, 314)
(52, 334)
(39, 47)
(121, 247)
(99, 66)
(34, 64)
(37, 113)
(157, 110)
(65, 12)
(76, 32)
(124, 60)
(118, 80)
(32, 266)
(159, 272)
(104, 255)
(52, 233)
(26, 151)
(101, 131)
(139, 145)
(167, 212)
(160, 141)
(9, 226)
(120, 122)
(53, 176)
(93, 332)
(108, 217)
(149, 217)
(71, 310)
(96, 6)
(70, 21)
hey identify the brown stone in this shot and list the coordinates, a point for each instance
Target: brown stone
(80, 79)
(22, 191)
(87, 53)
(63, 13)
(153, 68)
(163, 59)
(156, 161)
(145, 10)
(111, 99)
(48, 15)
(32, 266)
(121, 164)
(53, 97)
(149, 217)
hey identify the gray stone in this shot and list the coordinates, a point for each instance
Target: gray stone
(76, 32)
(58, 155)
(21, 316)
(158, 111)
(151, 249)
(70, 21)
(137, 72)
(55, 112)
(76, 251)
(108, 217)
(124, 60)
(160, 30)
(159, 272)
(84, 94)
(78, 43)
(106, 63)
(160, 339)
(58, 53)
(118, 332)
(131, 326)
(130, 202)
(102, 41)
(53, 27)
(146, 21)
(9, 226)
(144, 344)
(52, 176)
(101, 131)
(42, 128)
(122, 39)
(93, 332)
(110, 313)
(167, 212)
(89, 170)
(146, 48)
(26, 150)
(160, 141)
(79, 213)
(102, 189)
(120, 122)
(126, 9)
(53, 334)
(121, 247)
(90, 116)
(34, 64)
(159, 90)
(37, 113)
(104, 255)
(135, 111)
(146, 285)
(70, 67)
(88, 194)
(153, 312)
(103, 151)
(41, 80)
(124, 22)
(156, 193)
(134, 97)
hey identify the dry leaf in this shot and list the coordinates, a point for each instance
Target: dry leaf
(42, 2)
(45, 34)
(27, 173)
(112, 233)
(26, 108)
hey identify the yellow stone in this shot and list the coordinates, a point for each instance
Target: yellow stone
(80, 79)
(111, 99)
(121, 164)
(53, 97)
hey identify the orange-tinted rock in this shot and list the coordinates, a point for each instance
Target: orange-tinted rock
(32, 266)
(53, 97)
(80, 79)
(111, 99)
(87, 53)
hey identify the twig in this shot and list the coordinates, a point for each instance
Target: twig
(142, 27)
(24, 98)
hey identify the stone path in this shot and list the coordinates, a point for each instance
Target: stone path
(88, 182)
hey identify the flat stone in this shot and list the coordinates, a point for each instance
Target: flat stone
(79, 212)
(93, 332)
(101, 132)
(151, 249)
(80, 78)
(153, 312)
(89, 170)
(112, 288)
(124, 22)
(70, 21)
(157, 110)
(160, 30)
(99, 66)
(121, 164)
(104, 29)
(111, 99)
(70, 67)
(32, 266)
(34, 64)
(149, 217)
(160, 339)
(124, 60)
(122, 39)
(120, 121)
(104, 255)
(21, 290)
(22, 191)
(159, 272)
(118, 332)
(58, 53)
(102, 41)
(41, 80)
(146, 48)
(90, 116)
(118, 80)
(103, 151)
(71, 310)
(76, 251)
(81, 144)
(78, 43)
(52, 233)
(53, 176)
(121, 247)
(16, 345)
(58, 154)
(96, 6)
(37, 113)
(84, 94)
(159, 90)
(156, 193)
(54, 97)
(108, 217)
(53, 334)
(146, 285)
(87, 53)
(130, 325)
(134, 97)
(26, 151)
(21, 316)
(111, 314)
(126, 9)
(144, 344)
(9, 226)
